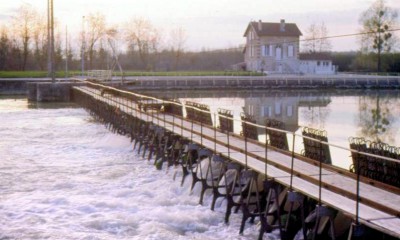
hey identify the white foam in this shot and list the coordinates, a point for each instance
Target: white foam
(66, 178)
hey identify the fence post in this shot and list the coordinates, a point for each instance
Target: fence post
(201, 133)
(357, 230)
(245, 149)
(320, 173)
(215, 133)
(292, 163)
(266, 153)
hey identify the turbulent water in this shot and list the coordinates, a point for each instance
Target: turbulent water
(64, 176)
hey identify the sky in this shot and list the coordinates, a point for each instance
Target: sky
(212, 24)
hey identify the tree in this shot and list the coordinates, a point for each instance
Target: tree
(316, 39)
(23, 24)
(39, 37)
(4, 48)
(376, 117)
(96, 24)
(377, 22)
(143, 36)
(178, 39)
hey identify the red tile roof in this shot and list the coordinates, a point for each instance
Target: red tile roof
(273, 29)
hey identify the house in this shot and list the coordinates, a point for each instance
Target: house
(275, 47)
(272, 47)
(316, 63)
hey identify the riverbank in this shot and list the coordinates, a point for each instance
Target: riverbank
(339, 81)
(265, 82)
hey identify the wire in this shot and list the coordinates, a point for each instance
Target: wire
(308, 39)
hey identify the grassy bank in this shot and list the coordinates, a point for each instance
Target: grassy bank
(32, 74)
(61, 74)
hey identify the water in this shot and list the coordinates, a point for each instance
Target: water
(64, 176)
(371, 114)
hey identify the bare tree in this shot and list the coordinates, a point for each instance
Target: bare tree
(143, 36)
(316, 39)
(377, 21)
(96, 28)
(23, 24)
(40, 41)
(178, 40)
(4, 47)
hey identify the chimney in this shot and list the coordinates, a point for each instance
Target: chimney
(282, 28)
(259, 25)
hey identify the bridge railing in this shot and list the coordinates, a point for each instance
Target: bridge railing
(126, 97)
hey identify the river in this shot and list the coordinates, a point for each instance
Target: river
(64, 176)
(343, 113)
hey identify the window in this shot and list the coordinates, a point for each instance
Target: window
(278, 53)
(277, 108)
(271, 51)
(290, 51)
(265, 50)
(266, 111)
(318, 63)
(251, 109)
(289, 111)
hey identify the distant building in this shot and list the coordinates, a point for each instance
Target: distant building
(272, 47)
(275, 47)
(316, 63)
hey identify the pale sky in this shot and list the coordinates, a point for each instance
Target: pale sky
(212, 24)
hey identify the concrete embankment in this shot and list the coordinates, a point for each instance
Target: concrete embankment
(17, 86)
(44, 90)
(265, 82)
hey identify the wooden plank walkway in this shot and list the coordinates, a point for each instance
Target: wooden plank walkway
(379, 209)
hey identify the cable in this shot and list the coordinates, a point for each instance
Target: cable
(305, 40)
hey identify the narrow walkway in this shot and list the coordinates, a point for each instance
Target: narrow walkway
(378, 209)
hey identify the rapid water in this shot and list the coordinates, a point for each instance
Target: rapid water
(64, 176)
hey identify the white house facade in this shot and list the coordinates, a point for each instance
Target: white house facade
(274, 48)
(316, 63)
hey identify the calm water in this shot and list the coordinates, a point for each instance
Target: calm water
(64, 176)
(372, 114)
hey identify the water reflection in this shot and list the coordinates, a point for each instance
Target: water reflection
(371, 114)
(283, 108)
(376, 117)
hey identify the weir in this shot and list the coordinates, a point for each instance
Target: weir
(267, 181)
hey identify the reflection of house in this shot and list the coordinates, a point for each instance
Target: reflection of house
(274, 48)
(316, 63)
(284, 109)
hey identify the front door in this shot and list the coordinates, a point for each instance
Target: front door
(278, 54)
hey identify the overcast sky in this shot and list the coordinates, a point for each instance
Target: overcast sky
(212, 24)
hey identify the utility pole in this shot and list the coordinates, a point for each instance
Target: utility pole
(53, 74)
(66, 51)
(50, 39)
(83, 46)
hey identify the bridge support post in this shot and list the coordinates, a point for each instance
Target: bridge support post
(356, 231)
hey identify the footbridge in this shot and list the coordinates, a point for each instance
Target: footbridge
(263, 177)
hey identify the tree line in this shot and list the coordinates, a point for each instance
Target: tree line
(139, 45)
(24, 46)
